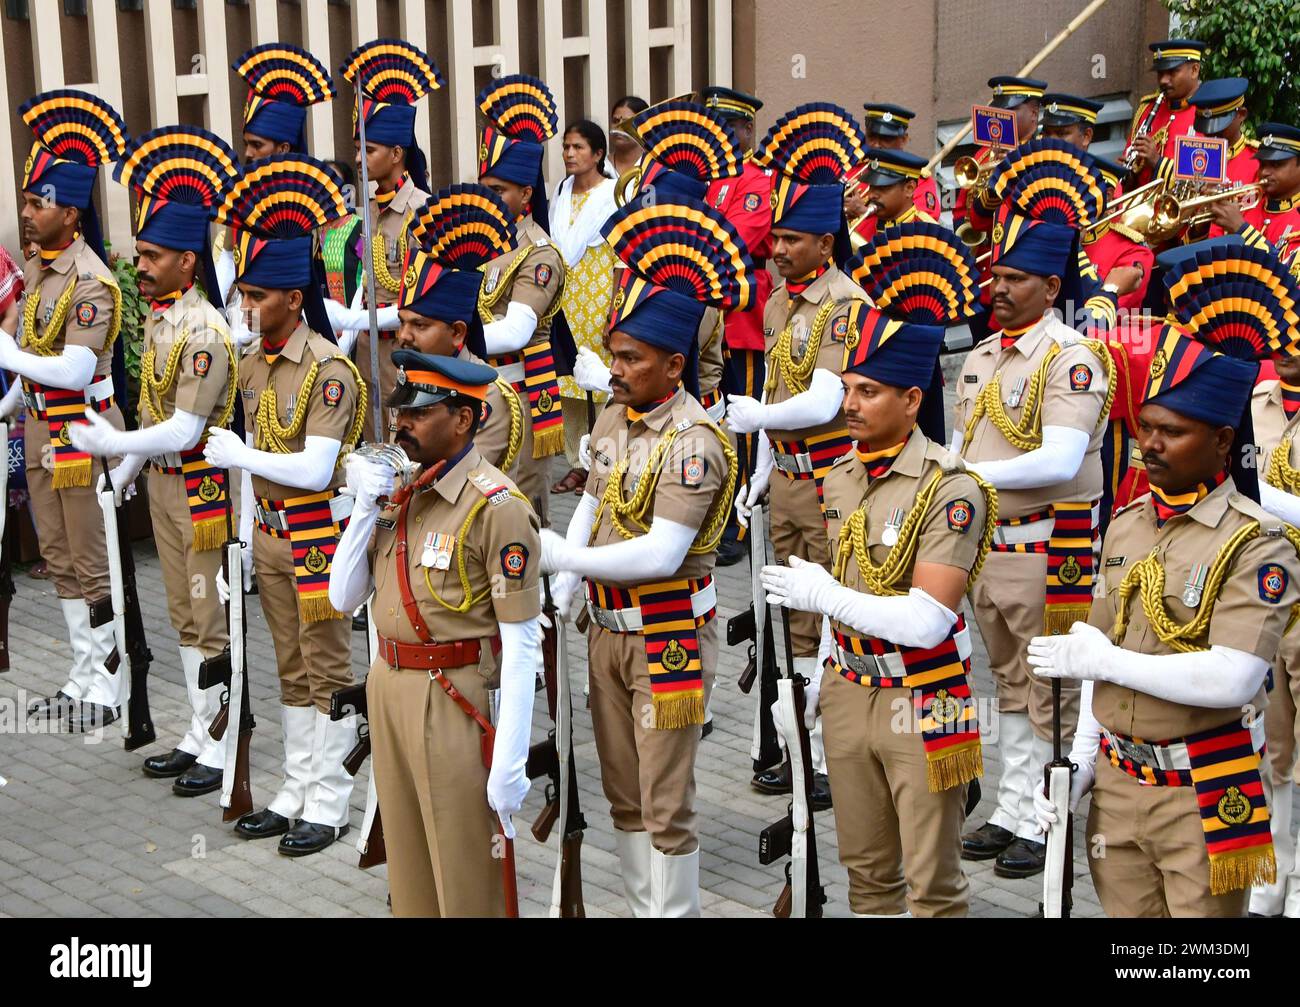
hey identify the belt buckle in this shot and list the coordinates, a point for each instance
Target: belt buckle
(388, 651)
(608, 619)
(1139, 753)
(30, 399)
(787, 463)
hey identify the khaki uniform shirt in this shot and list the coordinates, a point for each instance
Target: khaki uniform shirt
(950, 530)
(710, 340)
(1271, 424)
(1073, 396)
(798, 314)
(389, 224)
(331, 408)
(493, 438)
(90, 313)
(693, 474)
(537, 283)
(501, 551)
(1252, 610)
(203, 375)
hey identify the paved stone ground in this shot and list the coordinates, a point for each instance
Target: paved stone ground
(84, 833)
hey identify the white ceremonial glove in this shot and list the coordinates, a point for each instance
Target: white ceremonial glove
(811, 694)
(590, 372)
(507, 787)
(565, 594)
(225, 449)
(1081, 781)
(801, 585)
(584, 452)
(97, 436)
(240, 333)
(246, 563)
(368, 480)
(122, 476)
(555, 551)
(1083, 653)
(748, 496)
(744, 414)
(8, 350)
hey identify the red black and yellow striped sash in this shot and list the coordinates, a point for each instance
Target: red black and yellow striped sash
(942, 702)
(1229, 794)
(205, 492)
(670, 630)
(541, 387)
(823, 451)
(63, 407)
(313, 535)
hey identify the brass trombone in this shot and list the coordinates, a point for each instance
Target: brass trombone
(970, 174)
(1169, 216)
(1129, 201)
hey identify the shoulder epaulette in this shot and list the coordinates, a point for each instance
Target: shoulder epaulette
(496, 491)
(1130, 505)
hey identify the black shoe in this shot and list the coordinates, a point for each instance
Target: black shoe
(56, 707)
(986, 842)
(731, 552)
(261, 825)
(1023, 858)
(88, 717)
(821, 793)
(196, 781)
(307, 837)
(164, 767)
(773, 781)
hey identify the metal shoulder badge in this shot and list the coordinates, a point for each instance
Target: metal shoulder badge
(496, 493)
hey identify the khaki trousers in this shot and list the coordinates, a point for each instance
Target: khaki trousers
(314, 659)
(70, 530)
(798, 529)
(648, 775)
(1008, 601)
(1146, 851)
(189, 577)
(900, 843)
(443, 842)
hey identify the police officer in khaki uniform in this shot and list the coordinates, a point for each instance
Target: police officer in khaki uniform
(911, 530)
(644, 536)
(1030, 417)
(521, 288)
(1274, 407)
(1196, 590)
(303, 403)
(70, 320)
(188, 383)
(399, 186)
(438, 303)
(454, 560)
(805, 324)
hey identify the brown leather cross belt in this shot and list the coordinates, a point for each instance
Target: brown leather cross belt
(428, 656)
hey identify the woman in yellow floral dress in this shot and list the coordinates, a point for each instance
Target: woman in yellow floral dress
(582, 204)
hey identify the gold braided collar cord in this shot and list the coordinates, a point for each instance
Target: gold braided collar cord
(781, 359)
(153, 388)
(1027, 435)
(467, 598)
(633, 510)
(1147, 578)
(881, 579)
(43, 345)
(516, 423)
(1280, 474)
(271, 435)
(487, 302)
(379, 258)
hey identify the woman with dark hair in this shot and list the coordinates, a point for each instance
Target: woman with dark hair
(582, 204)
(624, 152)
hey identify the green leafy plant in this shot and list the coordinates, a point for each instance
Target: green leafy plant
(1255, 39)
(132, 332)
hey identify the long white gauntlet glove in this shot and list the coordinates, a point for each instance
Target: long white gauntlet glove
(508, 782)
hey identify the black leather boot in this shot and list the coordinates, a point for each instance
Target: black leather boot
(261, 825)
(196, 781)
(986, 842)
(306, 838)
(164, 767)
(1023, 858)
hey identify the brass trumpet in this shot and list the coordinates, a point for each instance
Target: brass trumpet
(970, 174)
(1169, 216)
(970, 235)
